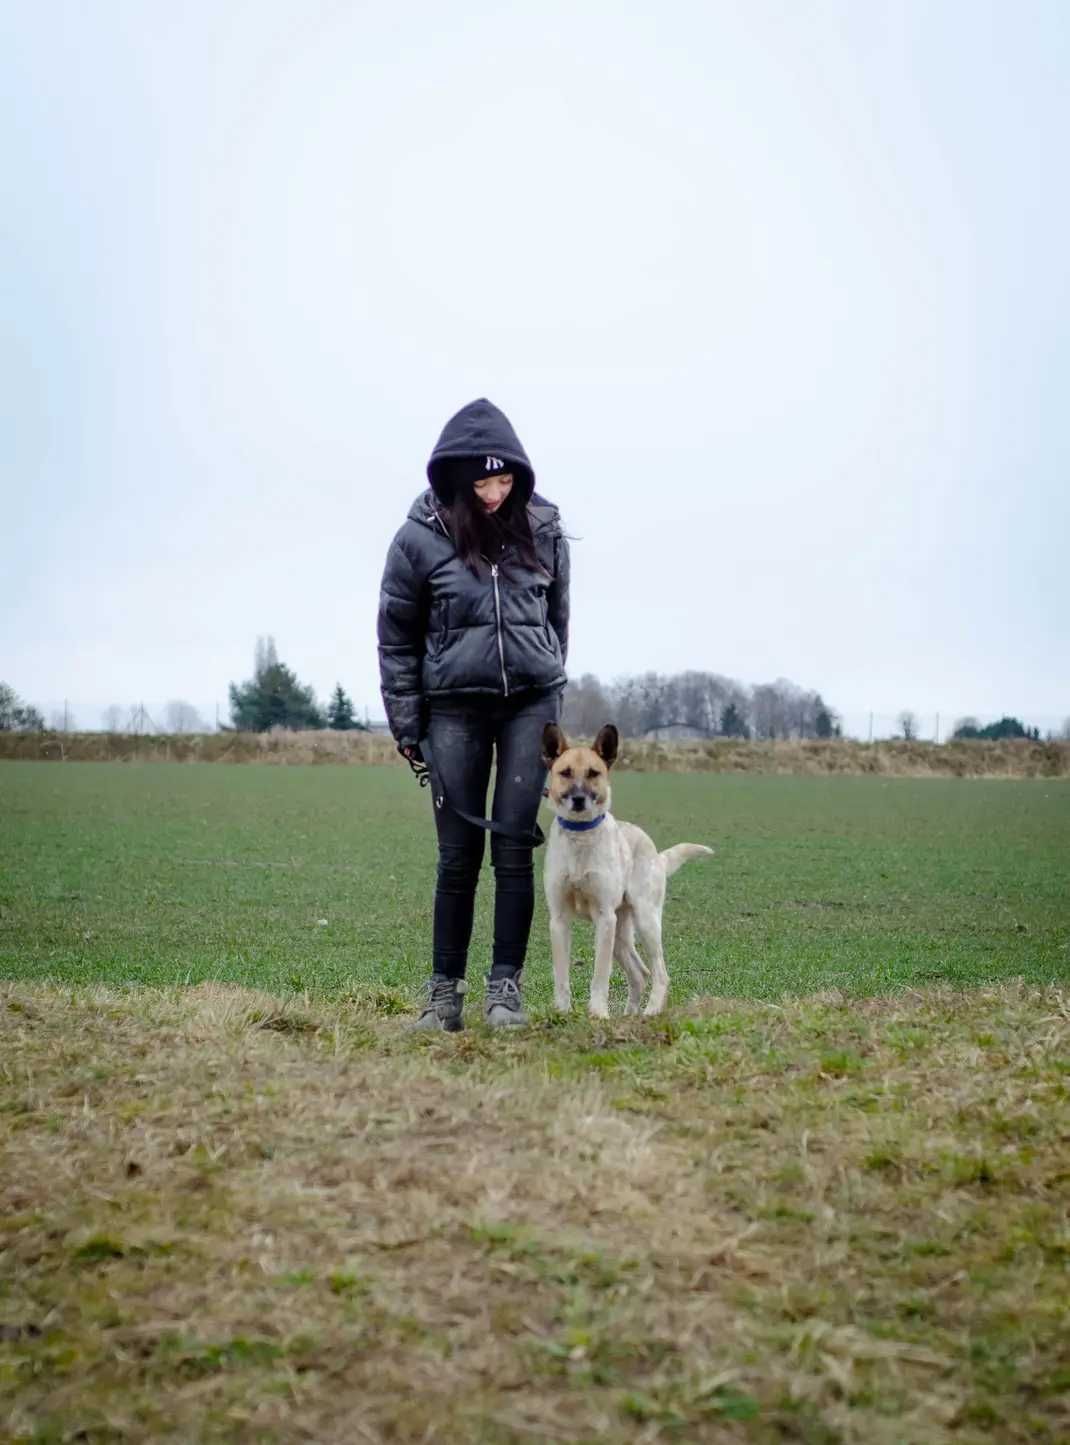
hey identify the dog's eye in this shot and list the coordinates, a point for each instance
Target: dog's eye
(566, 773)
(592, 772)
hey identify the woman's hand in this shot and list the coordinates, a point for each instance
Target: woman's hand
(415, 759)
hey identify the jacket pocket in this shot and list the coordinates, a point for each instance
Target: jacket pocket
(438, 633)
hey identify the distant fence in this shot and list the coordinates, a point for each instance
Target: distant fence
(1015, 758)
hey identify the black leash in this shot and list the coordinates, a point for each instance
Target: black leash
(535, 839)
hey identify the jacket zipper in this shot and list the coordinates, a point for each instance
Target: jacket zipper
(438, 519)
(498, 619)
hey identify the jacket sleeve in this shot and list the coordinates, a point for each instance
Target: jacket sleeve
(402, 629)
(557, 597)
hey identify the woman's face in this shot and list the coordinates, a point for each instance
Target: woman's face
(492, 491)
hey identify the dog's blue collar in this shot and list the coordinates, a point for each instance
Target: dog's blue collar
(582, 827)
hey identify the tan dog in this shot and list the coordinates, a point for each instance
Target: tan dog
(610, 872)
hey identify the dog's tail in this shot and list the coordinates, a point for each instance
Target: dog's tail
(676, 857)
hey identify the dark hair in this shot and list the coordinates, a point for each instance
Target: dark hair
(479, 535)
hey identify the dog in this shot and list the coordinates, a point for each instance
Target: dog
(605, 870)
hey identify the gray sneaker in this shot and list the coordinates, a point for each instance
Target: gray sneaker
(445, 1000)
(502, 1006)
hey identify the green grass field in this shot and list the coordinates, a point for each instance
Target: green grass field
(169, 873)
(258, 1209)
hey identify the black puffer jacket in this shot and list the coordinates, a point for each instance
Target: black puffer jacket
(444, 632)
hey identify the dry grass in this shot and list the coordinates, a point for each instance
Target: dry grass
(230, 1217)
(281, 745)
(1012, 758)
(974, 758)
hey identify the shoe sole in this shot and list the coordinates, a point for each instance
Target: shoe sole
(507, 1023)
(444, 1026)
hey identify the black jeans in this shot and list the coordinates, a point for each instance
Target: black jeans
(464, 734)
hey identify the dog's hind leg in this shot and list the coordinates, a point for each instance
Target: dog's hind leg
(624, 952)
(648, 923)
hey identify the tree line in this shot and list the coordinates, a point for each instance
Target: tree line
(699, 704)
(272, 697)
(709, 705)
(685, 704)
(970, 728)
(1006, 727)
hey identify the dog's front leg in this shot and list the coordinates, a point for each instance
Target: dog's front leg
(561, 951)
(605, 933)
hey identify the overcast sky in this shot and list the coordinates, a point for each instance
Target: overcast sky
(775, 294)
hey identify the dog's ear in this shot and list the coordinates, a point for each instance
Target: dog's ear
(554, 743)
(606, 744)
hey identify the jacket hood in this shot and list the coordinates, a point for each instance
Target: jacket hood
(479, 429)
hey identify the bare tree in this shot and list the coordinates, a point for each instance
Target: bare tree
(61, 720)
(703, 704)
(586, 706)
(770, 708)
(113, 717)
(182, 717)
(264, 657)
(638, 703)
(908, 725)
(1065, 733)
(702, 699)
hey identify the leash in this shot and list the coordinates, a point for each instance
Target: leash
(535, 839)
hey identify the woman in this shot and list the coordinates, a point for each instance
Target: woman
(473, 635)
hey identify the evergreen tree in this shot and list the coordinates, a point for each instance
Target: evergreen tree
(1007, 727)
(733, 724)
(274, 697)
(340, 712)
(825, 721)
(15, 715)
